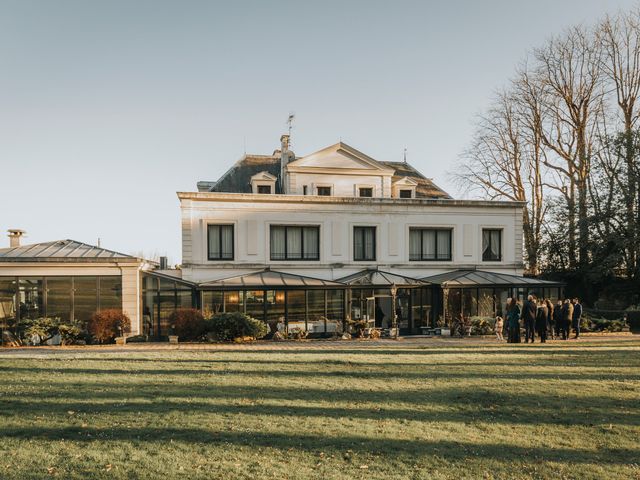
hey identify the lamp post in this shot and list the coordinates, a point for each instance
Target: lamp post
(394, 316)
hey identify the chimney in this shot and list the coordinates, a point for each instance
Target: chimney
(164, 263)
(286, 156)
(14, 237)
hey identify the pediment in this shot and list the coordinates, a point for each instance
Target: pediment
(263, 177)
(338, 157)
(405, 182)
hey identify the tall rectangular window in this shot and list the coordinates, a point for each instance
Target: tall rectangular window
(295, 242)
(220, 242)
(429, 244)
(491, 245)
(364, 244)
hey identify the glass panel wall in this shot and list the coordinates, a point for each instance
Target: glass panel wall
(31, 297)
(212, 303)
(233, 301)
(486, 306)
(296, 309)
(335, 311)
(316, 311)
(275, 300)
(85, 297)
(7, 301)
(59, 290)
(110, 293)
(254, 304)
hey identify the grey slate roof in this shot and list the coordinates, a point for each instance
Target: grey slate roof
(425, 188)
(378, 278)
(480, 278)
(271, 279)
(61, 251)
(238, 178)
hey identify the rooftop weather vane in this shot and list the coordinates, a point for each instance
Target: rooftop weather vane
(290, 123)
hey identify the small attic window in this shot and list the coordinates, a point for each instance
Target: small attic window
(264, 189)
(406, 193)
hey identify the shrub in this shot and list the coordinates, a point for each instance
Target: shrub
(188, 323)
(72, 333)
(482, 325)
(106, 325)
(44, 328)
(297, 334)
(228, 326)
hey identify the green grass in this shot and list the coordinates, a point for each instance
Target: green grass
(402, 410)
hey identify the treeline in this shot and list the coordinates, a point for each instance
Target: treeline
(563, 137)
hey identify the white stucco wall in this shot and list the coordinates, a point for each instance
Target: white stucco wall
(253, 214)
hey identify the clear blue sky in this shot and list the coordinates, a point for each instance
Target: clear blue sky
(107, 108)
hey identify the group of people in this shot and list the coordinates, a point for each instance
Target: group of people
(540, 317)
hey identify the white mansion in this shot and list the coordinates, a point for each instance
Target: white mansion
(308, 243)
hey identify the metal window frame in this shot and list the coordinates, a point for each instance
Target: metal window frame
(422, 230)
(499, 259)
(302, 249)
(233, 242)
(362, 228)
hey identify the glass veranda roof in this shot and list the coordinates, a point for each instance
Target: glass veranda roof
(378, 278)
(270, 279)
(480, 278)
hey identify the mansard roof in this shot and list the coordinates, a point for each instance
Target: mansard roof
(62, 251)
(238, 178)
(425, 187)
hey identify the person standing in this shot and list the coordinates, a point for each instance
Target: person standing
(498, 328)
(513, 321)
(529, 310)
(557, 318)
(542, 321)
(567, 315)
(550, 321)
(576, 317)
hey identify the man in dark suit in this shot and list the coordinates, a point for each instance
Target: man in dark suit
(529, 310)
(577, 316)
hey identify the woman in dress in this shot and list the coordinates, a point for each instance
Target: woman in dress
(513, 320)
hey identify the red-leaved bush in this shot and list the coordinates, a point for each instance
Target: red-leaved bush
(188, 323)
(106, 325)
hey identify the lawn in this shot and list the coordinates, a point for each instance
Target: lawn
(324, 410)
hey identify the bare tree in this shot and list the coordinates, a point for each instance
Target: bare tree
(620, 64)
(504, 163)
(568, 71)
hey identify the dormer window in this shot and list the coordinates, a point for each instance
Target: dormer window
(263, 183)
(404, 188)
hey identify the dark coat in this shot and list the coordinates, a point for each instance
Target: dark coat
(529, 311)
(513, 317)
(577, 314)
(542, 318)
(557, 315)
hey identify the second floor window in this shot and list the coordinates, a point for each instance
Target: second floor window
(220, 242)
(324, 191)
(295, 242)
(366, 192)
(364, 244)
(429, 244)
(491, 245)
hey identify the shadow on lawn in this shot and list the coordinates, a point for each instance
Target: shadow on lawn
(412, 450)
(452, 404)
